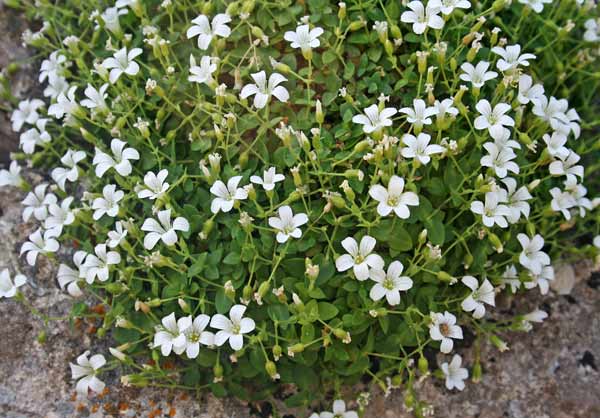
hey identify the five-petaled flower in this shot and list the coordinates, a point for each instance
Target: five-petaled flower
(389, 284)
(375, 120)
(108, 204)
(163, 229)
(206, 30)
(232, 329)
(122, 62)
(263, 90)
(455, 375)
(39, 244)
(287, 224)
(304, 38)
(443, 328)
(418, 147)
(8, 285)
(394, 198)
(98, 264)
(480, 294)
(532, 257)
(119, 160)
(226, 196)
(359, 257)
(422, 16)
(169, 336)
(85, 372)
(268, 180)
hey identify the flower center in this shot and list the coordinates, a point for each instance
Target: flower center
(235, 328)
(393, 201)
(359, 259)
(444, 329)
(388, 283)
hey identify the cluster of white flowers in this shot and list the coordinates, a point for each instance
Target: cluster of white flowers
(498, 200)
(186, 333)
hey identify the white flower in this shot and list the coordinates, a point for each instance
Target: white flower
(116, 236)
(500, 159)
(26, 113)
(502, 139)
(419, 114)
(477, 75)
(422, 17)
(287, 224)
(95, 98)
(562, 201)
(304, 37)
(389, 284)
(8, 286)
(597, 241)
(394, 198)
(536, 5)
(34, 136)
(448, 6)
(206, 31)
(119, 160)
(479, 295)
(263, 91)
(535, 316)
(556, 145)
(550, 110)
(592, 31)
(98, 265)
(511, 57)
(52, 65)
(529, 92)
(122, 62)
(203, 72)
(339, 411)
(374, 120)
(59, 216)
(156, 186)
(232, 329)
(37, 244)
(359, 257)
(494, 119)
(110, 17)
(455, 375)
(268, 180)
(541, 280)
(516, 200)
(68, 277)
(569, 123)
(57, 85)
(65, 105)
(444, 107)
(108, 204)
(12, 176)
(85, 372)
(443, 328)
(37, 202)
(170, 337)
(195, 335)
(532, 257)
(567, 167)
(70, 172)
(163, 229)
(226, 195)
(492, 212)
(419, 148)
(578, 191)
(510, 277)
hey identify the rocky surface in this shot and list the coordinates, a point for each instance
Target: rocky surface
(551, 372)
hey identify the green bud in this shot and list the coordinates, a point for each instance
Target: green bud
(530, 227)
(319, 112)
(395, 31)
(218, 370)
(41, 338)
(296, 348)
(356, 25)
(277, 351)
(477, 372)
(500, 345)
(496, 243)
(207, 227)
(247, 292)
(271, 369)
(445, 277)
(264, 288)
(423, 365)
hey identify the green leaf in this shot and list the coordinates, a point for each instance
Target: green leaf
(222, 302)
(232, 259)
(327, 311)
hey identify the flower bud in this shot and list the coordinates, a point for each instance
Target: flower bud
(445, 277)
(496, 243)
(319, 112)
(271, 370)
(500, 345)
(423, 365)
(184, 306)
(477, 372)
